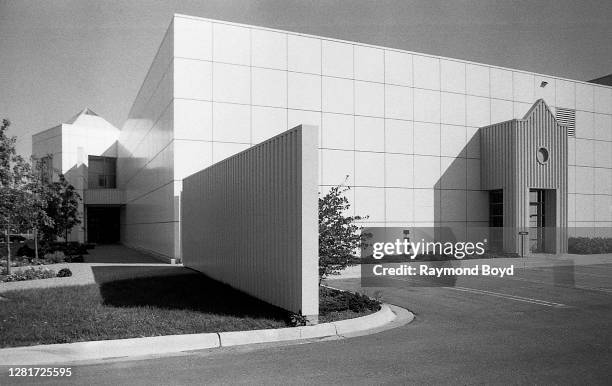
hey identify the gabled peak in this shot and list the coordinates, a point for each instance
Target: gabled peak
(539, 104)
(85, 111)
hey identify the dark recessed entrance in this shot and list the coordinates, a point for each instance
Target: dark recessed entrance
(103, 224)
(496, 219)
(542, 219)
(537, 220)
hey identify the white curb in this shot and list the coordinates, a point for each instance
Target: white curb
(100, 349)
(377, 319)
(134, 347)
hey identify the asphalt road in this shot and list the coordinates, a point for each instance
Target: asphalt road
(542, 326)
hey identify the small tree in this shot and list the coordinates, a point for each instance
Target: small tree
(62, 202)
(40, 219)
(339, 236)
(19, 202)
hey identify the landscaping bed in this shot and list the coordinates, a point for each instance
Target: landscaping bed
(129, 302)
(34, 273)
(337, 305)
(51, 253)
(589, 245)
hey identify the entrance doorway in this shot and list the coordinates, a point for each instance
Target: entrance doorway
(103, 224)
(542, 220)
(537, 220)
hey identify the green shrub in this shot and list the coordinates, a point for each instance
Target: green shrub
(296, 320)
(72, 248)
(64, 272)
(26, 251)
(331, 300)
(55, 257)
(339, 235)
(75, 259)
(589, 245)
(30, 274)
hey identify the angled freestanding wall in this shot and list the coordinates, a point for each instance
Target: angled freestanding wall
(251, 221)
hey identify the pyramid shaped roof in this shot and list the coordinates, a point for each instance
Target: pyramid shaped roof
(85, 111)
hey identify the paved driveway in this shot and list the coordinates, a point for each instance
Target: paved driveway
(528, 329)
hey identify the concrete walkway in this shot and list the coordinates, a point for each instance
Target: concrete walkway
(82, 273)
(116, 253)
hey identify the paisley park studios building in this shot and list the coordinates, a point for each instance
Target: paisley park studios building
(425, 140)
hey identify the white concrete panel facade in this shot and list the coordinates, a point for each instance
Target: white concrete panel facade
(69, 145)
(146, 157)
(403, 126)
(370, 100)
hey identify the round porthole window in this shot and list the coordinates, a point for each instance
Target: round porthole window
(542, 155)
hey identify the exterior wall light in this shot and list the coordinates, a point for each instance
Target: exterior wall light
(544, 83)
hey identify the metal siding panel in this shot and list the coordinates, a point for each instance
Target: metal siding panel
(509, 162)
(250, 225)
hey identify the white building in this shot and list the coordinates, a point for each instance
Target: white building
(84, 149)
(405, 128)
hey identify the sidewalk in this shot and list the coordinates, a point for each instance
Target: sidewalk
(116, 253)
(82, 274)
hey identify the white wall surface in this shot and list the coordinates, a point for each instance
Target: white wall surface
(147, 153)
(402, 125)
(385, 115)
(251, 221)
(70, 145)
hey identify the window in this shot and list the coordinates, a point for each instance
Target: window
(46, 169)
(542, 155)
(102, 172)
(496, 219)
(496, 208)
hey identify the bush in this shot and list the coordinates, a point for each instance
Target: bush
(55, 257)
(69, 249)
(75, 259)
(15, 262)
(64, 272)
(26, 251)
(589, 245)
(297, 320)
(339, 235)
(30, 274)
(336, 301)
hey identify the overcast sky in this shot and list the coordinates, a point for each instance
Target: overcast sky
(57, 57)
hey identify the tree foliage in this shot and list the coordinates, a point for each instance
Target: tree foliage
(339, 235)
(21, 203)
(62, 208)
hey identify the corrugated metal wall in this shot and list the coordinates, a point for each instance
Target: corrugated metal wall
(251, 221)
(509, 162)
(104, 197)
(540, 129)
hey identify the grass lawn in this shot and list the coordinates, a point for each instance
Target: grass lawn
(129, 302)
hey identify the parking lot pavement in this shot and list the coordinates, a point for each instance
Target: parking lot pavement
(541, 326)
